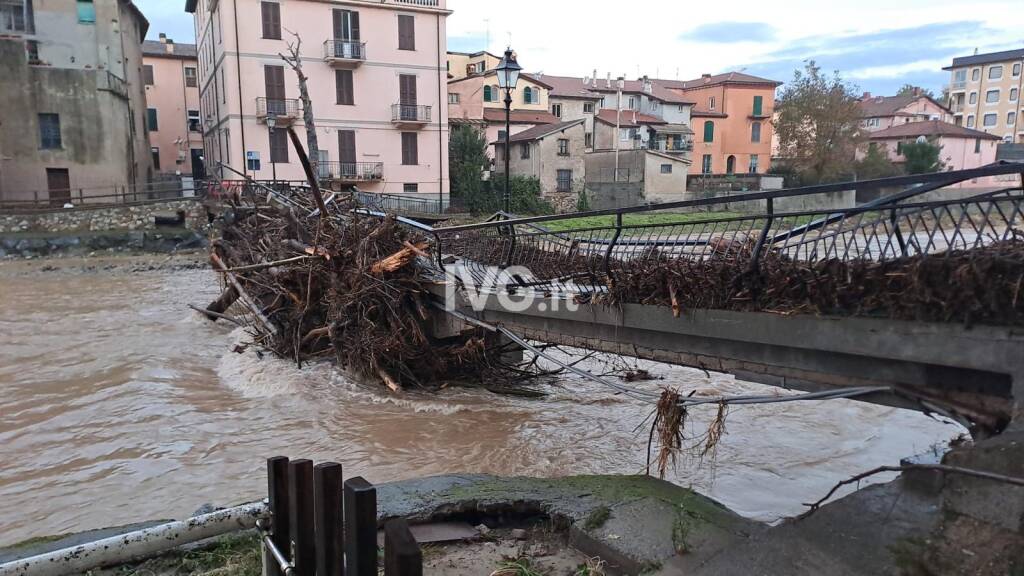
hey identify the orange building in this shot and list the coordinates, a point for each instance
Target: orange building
(731, 121)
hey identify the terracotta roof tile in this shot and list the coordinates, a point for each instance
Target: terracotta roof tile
(930, 128)
(521, 116)
(628, 119)
(724, 78)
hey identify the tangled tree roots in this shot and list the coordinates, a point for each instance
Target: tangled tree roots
(345, 286)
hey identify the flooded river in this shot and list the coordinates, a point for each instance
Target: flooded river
(119, 404)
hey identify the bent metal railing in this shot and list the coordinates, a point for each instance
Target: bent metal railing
(578, 253)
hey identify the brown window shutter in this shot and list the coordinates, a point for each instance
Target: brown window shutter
(279, 146)
(343, 79)
(410, 149)
(347, 146)
(406, 32)
(271, 17)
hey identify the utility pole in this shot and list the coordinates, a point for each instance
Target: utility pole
(618, 122)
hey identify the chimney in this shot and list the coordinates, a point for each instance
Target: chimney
(608, 81)
(917, 91)
(706, 78)
(170, 46)
(866, 96)
(594, 78)
(163, 38)
(648, 87)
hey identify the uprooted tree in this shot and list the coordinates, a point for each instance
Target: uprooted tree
(294, 61)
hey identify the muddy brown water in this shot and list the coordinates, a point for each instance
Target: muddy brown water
(119, 404)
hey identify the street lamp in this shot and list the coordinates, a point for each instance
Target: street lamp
(508, 75)
(272, 123)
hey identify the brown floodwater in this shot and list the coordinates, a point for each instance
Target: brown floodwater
(119, 404)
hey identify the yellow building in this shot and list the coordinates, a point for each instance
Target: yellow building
(985, 93)
(462, 64)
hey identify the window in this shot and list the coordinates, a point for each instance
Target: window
(758, 104)
(709, 131)
(490, 94)
(193, 121)
(278, 146)
(502, 135)
(16, 16)
(191, 80)
(1016, 69)
(755, 132)
(528, 97)
(977, 145)
(705, 164)
(406, 32)
(1011, 118)
(995, 72)
(960, 76)
(992, 96)
(343, 87)
(711, 103)
(1013, 94)
(563, 146)
(411, 188)
(86, 12)
(666, 168)
(152, 122)
(49, 132)
(147, 75)
(588, 139)
(564, 181)
(632, 103)
(410, 148)
(588, 107)
(32, 51)
(155, 152)
(989, 120)
(626, 134)
(975, 74)
(524, 150)
(271, 12)
(970, 120)
(252, 161)
(224, 83)
(453, 97)
(973, 98)
(556, 110)
(654, 105)
(753, 164)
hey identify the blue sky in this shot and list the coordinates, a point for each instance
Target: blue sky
(879, 45)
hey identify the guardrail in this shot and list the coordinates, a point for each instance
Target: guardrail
(344, 49)
(98, 197)
(398, 204)
(351, 171)
(410, 113)
(579, 253)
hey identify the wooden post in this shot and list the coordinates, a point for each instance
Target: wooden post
(402, 555)
(280, 519)
(327, 487)
(360, 528)
(300, 504)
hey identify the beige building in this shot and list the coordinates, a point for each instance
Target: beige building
(552, 153)
(462, 64)
(882, 112)
(377, 78)
(985, 93)
(74, 104)
(170, 72)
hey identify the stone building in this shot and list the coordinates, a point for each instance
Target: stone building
(74, 104)
(553, 154)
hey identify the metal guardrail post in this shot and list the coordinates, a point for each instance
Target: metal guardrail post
(402, 554)
(300, 503)
(611, 246)
(756, 255)
(360, 528)
(330, 546)
(899, 233)
(280, 518)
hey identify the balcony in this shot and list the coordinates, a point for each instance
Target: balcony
(344, 53)
(961, 85)
(410, 115)
(674, 147)
(351, 172)
(285, 110)
(427, 3)
(957, 108)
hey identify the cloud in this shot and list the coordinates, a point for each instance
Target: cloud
(730, 32)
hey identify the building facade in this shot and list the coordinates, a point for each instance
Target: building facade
(961, 148)
(551, 153)
(462, 64)
(985, 93)
(170, 73)
(731, 121)
(74, 103)
(881, 112)
(376, 76)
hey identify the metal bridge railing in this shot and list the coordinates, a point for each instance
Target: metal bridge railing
(578, 253)
(399, 204)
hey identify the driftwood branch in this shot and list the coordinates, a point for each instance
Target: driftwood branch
(909, 467)
(215, 315)
(242, 294)
(265, 265)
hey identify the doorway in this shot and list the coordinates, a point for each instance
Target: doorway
(58, 184)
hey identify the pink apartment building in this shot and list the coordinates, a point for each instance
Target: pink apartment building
(171, 74)
(960, 148)
(377, 80)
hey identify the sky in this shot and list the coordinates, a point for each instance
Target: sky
(878, 45)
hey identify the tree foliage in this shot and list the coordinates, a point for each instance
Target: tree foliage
(921, 157)
(818, 125)
(908, 90)
(467, 162)
(876, 164)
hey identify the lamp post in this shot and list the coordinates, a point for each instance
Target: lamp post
(271, 124)
(508, 75)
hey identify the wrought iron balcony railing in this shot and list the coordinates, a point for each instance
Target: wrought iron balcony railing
(430, 3)
(410, 113)
(676, 146)
(351, 171)
(282, 108)
(344, 51)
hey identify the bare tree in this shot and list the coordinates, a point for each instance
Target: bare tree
(294, 60)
